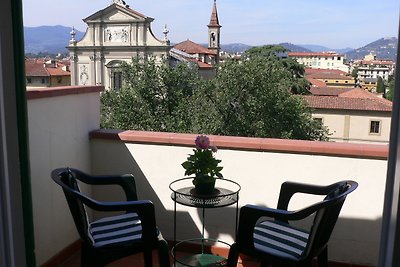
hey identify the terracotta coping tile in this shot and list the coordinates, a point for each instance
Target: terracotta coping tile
(249, 143)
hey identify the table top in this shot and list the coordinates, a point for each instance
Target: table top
(226, 193)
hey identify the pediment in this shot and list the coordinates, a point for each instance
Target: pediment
(114, 13)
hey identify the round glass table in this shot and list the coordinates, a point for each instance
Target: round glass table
(226, 193)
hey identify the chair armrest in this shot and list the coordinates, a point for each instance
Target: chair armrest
(288, 189)
(144, 209)
(126, 181)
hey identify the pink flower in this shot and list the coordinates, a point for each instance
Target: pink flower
(202, 142)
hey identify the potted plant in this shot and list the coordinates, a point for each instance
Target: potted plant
(203, 165)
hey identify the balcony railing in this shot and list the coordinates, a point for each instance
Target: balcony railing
(63, 126)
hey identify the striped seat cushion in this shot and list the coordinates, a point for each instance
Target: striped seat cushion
(280, 239)
(116, 230)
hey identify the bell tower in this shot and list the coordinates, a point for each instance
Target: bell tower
(214, 29)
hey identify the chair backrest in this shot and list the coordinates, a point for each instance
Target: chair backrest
(327, 216)
(67, 179)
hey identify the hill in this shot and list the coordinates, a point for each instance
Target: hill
(294, 48)
(48, 39)
(384, 48)
(235, 48)
(320, 48)
(54, 39)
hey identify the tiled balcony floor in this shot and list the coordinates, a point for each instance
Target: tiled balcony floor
(137, 261)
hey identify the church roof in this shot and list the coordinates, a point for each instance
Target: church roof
(193, 48)
(214, 16)
(111, 8)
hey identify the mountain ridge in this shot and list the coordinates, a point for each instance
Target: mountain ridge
(54, 39)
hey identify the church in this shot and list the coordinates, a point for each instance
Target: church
(117, 33)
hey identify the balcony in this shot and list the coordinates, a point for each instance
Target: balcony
(63, 131)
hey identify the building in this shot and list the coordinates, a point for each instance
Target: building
(114, 34)
(177, 56)
(321, 60)
(352, 115)
(370, 69)
(330, 78)
(46, 73)
(206, 58)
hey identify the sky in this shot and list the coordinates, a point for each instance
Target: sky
(331, 23)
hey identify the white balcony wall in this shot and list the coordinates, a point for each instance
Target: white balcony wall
(260, 174)
(59, 122)
(59, 126)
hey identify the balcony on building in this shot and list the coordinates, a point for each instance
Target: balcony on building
(64, 131)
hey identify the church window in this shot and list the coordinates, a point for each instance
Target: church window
(116, 80)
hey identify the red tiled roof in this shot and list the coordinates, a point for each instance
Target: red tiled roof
(203, 65)
(355, 99)
(329, 75)
(328, 91)
(313, 54)
(312, 71)
(58, 72)
(193, 48)
(315, 82)
(343, 103)
(37, 68)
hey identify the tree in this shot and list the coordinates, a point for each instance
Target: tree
(390, 92)
(380, 85)
(253, 98)
(154, 98)
(278, 55)
(246, 98)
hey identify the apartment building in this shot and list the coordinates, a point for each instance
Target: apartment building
(321, 60)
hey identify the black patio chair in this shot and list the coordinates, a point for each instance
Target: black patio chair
(270, 236)
(116, 236)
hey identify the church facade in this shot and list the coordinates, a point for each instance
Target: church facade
(118, 33)
(114, 34)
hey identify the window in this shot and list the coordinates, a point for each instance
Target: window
(114, 68)
(29, 80)
(116, 80)
(338, 58)
(319, 121)
(43, 80)
(375, 127)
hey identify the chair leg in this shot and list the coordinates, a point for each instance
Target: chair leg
(163, 254)
(89, 259)
(233, 256)
(323, 258)
(148, 257)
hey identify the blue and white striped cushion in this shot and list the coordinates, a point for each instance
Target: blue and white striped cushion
(120, 229)
(280, 239)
